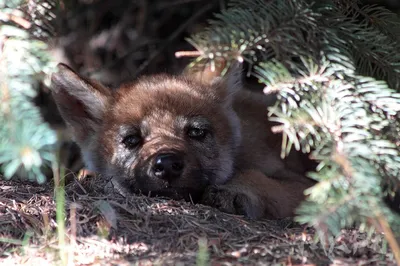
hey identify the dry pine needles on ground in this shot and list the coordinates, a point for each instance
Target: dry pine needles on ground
(105, 228)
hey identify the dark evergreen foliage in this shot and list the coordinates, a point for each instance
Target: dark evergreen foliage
(335, 67)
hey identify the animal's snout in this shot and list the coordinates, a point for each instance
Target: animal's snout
(168, 166)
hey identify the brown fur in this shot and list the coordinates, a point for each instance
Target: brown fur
(236, 167)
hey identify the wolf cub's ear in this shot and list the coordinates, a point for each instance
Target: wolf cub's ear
(211, 75)
(81, 102)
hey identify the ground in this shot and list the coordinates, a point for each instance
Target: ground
(108, 229)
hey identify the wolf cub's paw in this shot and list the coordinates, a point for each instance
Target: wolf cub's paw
(228, 199)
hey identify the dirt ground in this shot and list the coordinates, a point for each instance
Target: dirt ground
(109, 229)
(113, 42)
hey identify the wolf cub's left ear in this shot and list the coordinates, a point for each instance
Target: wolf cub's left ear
(211, 75)
(81, 102)
(231, 82)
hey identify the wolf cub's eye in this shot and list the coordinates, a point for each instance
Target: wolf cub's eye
(131, 141)
(197, 133)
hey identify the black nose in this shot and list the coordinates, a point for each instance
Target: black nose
(168, 166)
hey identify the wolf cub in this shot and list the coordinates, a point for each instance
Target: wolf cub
(184, 137)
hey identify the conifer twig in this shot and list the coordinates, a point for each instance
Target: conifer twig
(16, 19)
(187, 54)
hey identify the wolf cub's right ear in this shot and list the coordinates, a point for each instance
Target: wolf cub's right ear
(80, 101)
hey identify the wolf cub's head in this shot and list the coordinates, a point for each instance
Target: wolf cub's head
(162, 135)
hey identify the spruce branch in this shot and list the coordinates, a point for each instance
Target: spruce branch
(26, 141)
(374, 50)
(334, 74)
(375, 16)
(263, 37)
